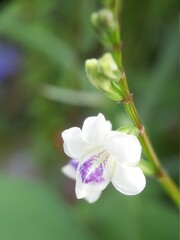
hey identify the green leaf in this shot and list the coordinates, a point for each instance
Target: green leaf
(73, 97)
(36, 36)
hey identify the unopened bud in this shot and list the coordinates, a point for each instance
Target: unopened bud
(109, 67)
(104, 18)
(129, 130)
(104, 75)
(105, 25)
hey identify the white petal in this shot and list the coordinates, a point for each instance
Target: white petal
(69, 171)
(125, 148)
(129, 181)
(95, 129)
(93, 175)
(74, 145)
(93, 196)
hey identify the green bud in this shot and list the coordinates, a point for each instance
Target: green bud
(105, 25)
(129, 130)
(104, 75)
(109, 67)
(147, 168)
(103, 19)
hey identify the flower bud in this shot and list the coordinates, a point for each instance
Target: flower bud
(129, 130)
(104, 75)
(109, 68)
(105, 25)
(104, 18)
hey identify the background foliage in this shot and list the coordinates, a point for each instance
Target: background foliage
(43, 90)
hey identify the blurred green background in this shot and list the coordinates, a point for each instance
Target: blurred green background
(44, 90)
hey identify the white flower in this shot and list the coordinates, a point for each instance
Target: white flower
(99, 156)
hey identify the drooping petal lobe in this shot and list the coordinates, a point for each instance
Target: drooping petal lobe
(74, 145)
(95, 129)
(93, 174)
(124, 148)
(71, 168)
(129, 181)
(93, 196)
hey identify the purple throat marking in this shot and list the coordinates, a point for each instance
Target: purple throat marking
(91, 174)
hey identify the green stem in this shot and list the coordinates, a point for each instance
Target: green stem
(163, 177)
(148, 149)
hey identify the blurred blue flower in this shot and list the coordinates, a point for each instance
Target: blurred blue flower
(10, 60)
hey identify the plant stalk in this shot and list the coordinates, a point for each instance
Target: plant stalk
(162, 176)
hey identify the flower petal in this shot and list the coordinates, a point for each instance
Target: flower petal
(125, 148)
(93, 196)
(93, 174)
(71, 168)
(74, 145)
(95, 129)
(129, 181)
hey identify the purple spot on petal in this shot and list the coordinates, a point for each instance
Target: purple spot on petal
(91, 174)
(74, 163)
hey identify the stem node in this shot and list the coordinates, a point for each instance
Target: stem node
(141, 130)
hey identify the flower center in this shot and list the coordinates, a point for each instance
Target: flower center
(92, 169)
